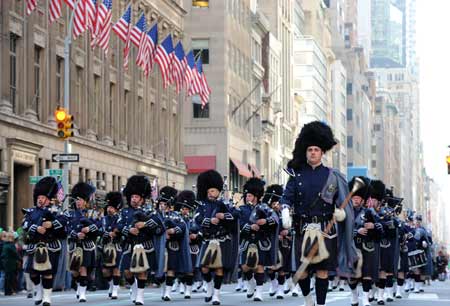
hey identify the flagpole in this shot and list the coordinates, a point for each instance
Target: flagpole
(67, 43)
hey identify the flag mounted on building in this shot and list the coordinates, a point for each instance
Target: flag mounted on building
(163, 58)
(136, 31)
(80, 19)
(70, 3)
(141, 28)
(178, 68)
(54, 8)
(205, 91)
(92, 16)
(60, 195)
(123, 30)
(150, 53)
(103, 25)
(31, 6)
(192, 87)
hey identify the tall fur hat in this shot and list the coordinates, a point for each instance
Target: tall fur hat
(390, 199)
(186, 198)
(254, 186)
(47, 186)
(363, 192)
(315, 133)
(206, 180)
(83, 190)
(114, 199)
(139, 185)
(378, 190)
(273, 194)
(167, 194)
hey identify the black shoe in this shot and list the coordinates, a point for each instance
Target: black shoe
(329, 290)
(421, 290)
(37, 302)
(138, 303)
(166, 298)
(272, 294)
(208, 299)
(29, 295)
(356, 304)
(280, 297)
(187, 297)
(257, 299)
(341, 289)
(389, 299)
(237, 289)
(82, 301)
(380, 302)
(113, 297)
(78, 296)
(371, 299)
(294, 294)
(286, 291)
(46, 304)
(216, 303)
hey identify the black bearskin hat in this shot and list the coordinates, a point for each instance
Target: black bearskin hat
(410, 214)
(206, 180)
(315, 133)
(391, 200)
(47, 186)
(273, 194)
(167, 194)
(363, 192)
(139, 185)
(186, 198)
(114, 199)
(83, 191)
(378, 190)
(419, 218)
(254, 186)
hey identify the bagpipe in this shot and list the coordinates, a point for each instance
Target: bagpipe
(370, 216)
(172, 220)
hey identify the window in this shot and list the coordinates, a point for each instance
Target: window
(198, 3)
(377, 127)
(350, 164)
(201, 46)
(349, 114)
(37, 78)
(59, 66)
(199, 112)
(349, 88)
(374, 163)
(114, 186)
(13, 70)
(112, 99)
(349, 141)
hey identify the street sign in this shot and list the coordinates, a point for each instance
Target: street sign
(54, 172)
(65, 158)
(35, 179)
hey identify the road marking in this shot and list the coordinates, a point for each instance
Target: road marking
(423, 296)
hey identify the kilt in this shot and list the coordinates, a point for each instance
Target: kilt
(54, 259)
(226, 247)
(329, 264)
(286, 254)
(265, 258)
(403, 265)
(125, 261)
(387, 256)
(371, 257)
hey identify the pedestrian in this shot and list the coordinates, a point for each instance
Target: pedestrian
(10, 261)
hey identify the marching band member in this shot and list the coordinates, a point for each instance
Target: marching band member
(315, 193)
(424, 243)
(45, 230)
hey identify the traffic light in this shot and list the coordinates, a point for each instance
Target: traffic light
(63, 123)
(448, 164)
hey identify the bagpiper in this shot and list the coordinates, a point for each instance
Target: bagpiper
(316, 194)
(277, 273)
(219, 226)
(186, 204)
(83, 235)
(144, 239)
(45, 231)
(111, 242)
(424, 243)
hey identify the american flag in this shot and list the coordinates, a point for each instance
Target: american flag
(55, 10)
(60, 193)
(123, 30)
(141, 26)
(164, 55)
(193, 86)
(105, 14)
(31, 6)
(70, 3)
(205, 89)
(177, 71)
(153, 40)
(91, 11)
(80, 19)
(136, 31)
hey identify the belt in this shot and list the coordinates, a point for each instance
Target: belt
(316, 219)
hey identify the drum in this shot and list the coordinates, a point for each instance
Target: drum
(417, 259)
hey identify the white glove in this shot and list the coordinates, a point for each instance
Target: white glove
(286, 218)
(424, 244)
(339, 214)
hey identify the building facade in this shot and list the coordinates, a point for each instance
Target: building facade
(124, 123)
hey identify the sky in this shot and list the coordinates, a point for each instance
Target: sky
(433, 47)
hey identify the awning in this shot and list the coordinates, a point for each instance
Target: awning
(255, 171)
(241, 167)
(198, 164)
